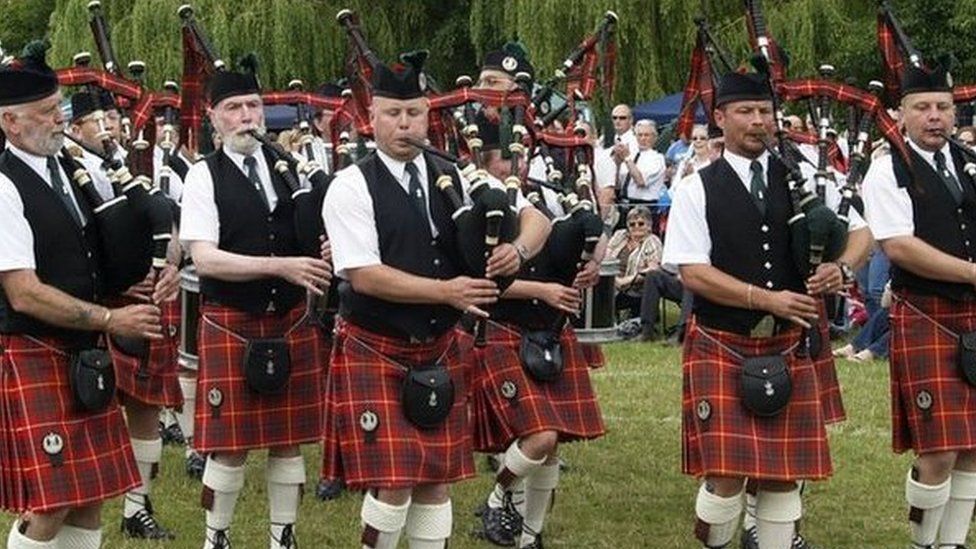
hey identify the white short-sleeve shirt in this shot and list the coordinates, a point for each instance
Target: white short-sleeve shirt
(887, 206)
(199, 219)
(688, 240)
(350, 219)
(16, 236)
(651, 165)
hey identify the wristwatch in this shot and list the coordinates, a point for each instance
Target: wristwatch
(522, 252)
(846, 272)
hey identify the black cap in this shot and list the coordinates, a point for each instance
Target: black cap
(331, 89)
(512, 58)
(401, 80)
(735, 86)
(924, 79)
(224, 84)
(84, 103)
(27, 78)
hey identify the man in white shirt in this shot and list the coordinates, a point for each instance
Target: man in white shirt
(261, 364)
(401, 295)
(924, 216)
(729, 235)
(641, 178)
(72, 457)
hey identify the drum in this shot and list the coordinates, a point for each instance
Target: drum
(597, 322)
(190, 320)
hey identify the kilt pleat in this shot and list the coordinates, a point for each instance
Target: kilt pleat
(830, 393)
(159, 383)
(231, 417)
(366, 373)
(720, 437)
(54, 455)
(507, 403)
(933, 409)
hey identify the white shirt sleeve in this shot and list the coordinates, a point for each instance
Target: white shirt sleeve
(604, 169)
(688, 240)
(887, 206)
(350, 222)
(16, 237)
(199, 220)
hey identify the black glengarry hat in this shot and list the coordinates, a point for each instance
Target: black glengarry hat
(403, 81)
(934, 78)
(28, 77)
(512, 58)
(224, 84)
(735, 86)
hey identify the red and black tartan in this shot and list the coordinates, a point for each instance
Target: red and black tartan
(95, 460)
(158, 383)
(507, 403)
(365, 375)
(830, 395)
(230, 417)
(932, 408)
(721, 438)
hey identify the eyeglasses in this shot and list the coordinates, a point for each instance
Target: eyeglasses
(699, 139)
(638, 223)
(620, 117)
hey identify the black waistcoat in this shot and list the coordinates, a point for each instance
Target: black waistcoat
(938, 221)
(248, 228)
(405, 244)
(746, 245)
(65, 255)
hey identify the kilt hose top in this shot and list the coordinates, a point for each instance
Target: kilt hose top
(720, 437)
(933, 409)
(830, 394)
(231, 417)
(156, 381)
(369, 442)
(507, 403)
(52, 455)
(593, 353)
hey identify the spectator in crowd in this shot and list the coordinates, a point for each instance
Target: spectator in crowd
(699, 157)
(967, 134)
(623, 127)
(639, 253)
(640, 176)
(872, 341)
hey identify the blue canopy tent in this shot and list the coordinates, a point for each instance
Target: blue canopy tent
(665, 110)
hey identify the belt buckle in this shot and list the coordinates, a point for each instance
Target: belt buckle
(766, 327)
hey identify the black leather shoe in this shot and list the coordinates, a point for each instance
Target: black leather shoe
(172, 434)
(749, 539)
(195, 463)
(501, 525)
(330, 489)
(536, 543)
(218, 539)
(287, 540)
(143, 525)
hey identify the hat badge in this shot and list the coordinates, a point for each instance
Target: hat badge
(509, 63)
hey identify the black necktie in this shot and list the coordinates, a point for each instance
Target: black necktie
(625, 189)
(757, 187)
(950, 181)
(252, 175)
(417, 195)
(63, 190)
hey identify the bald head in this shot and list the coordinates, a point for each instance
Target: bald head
(623, 119)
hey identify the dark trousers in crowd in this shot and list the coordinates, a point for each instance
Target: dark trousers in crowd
(658, 285)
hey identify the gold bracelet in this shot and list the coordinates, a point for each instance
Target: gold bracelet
(107, 318)
(749, 297)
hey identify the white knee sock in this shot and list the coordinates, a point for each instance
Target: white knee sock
(382, 523)
(429, 525)
(16, 540)
(959, 511)
(73, 537)
(927, 505)
(285, 479)
(225, 483)
(776, 516)
(514, 463)
(147, 454)
(539, 487)
(188, 386)
(720, 515)
(749, 518)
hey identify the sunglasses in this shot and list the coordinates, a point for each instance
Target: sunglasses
(636, 223)
(620, 117)
(699, 139)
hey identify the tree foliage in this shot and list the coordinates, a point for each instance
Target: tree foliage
(300, 38)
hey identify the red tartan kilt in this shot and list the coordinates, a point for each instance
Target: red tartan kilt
(396, 454)
(241, 419)
(161, 386)
(721, 438)
(830, 395)
(593, 354)
(95, 461)
(567, 405)
(933, 409)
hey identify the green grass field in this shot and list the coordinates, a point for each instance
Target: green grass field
(625, 490)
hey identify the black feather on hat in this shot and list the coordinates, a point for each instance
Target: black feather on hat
(224, 84)
(27, 78)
